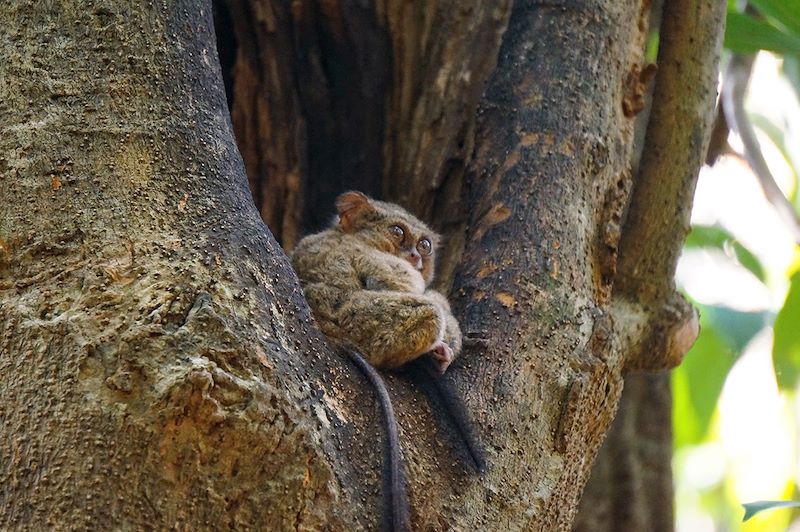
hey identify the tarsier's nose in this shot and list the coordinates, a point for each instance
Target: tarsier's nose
(414, 258)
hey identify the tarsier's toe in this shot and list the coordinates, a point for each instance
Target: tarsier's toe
(442, 356)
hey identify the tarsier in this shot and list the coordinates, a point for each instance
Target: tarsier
(366, 279)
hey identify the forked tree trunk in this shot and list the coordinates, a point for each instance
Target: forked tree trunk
(160, 365)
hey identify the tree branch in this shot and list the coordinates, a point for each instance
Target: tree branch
(733, 91)
(657, 325)
(551, 147)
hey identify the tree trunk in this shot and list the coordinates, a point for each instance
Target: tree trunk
(162, 368)
(631, 484)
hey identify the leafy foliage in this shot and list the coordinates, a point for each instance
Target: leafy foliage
(777, 30)
(708, 236)
(783, 13)
(746, 34)
(770, 25)
(752, 508)
(786, 343)
(696, 385)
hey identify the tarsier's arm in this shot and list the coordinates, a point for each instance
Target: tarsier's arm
(391, 328)
(452, 333)
(381, 271)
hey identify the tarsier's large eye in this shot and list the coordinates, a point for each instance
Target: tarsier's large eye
(397, 232)
(424, 247)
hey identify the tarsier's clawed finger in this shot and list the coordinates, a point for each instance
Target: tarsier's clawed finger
(442, 356)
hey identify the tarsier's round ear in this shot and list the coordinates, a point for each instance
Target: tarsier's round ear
(350, 206)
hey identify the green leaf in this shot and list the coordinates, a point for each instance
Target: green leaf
(714, 236)
(735, 327)
(651, 50)
(687, 427)
(778, 138)
(697, 383)
(786, 341)
(752, 508)
(791, 69)
(784, 12)
(745, 34)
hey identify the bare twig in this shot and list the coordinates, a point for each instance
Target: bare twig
(657, 323)
(734, 89)
(718, 145)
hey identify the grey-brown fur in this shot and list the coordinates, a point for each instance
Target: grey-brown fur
(367, 295)
(366, 280)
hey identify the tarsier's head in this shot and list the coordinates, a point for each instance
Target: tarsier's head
(389, 228)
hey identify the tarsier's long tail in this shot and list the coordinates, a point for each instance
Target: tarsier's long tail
(397, 498)
(439, 390)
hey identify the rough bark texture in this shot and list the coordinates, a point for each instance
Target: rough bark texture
(161, 365)
(535, 247)
(631, 486)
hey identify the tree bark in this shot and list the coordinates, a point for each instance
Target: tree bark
(631, 483)
(631, 488)
(162, 367)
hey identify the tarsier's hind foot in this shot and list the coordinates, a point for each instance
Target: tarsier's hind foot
(442, 355)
